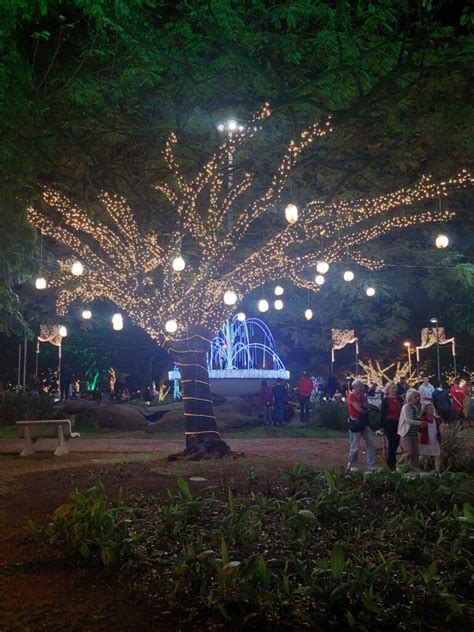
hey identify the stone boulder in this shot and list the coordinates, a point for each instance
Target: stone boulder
(106, 416)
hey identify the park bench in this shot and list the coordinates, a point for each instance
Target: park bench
(31, 431)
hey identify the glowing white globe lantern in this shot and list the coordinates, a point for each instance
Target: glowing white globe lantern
(241, 317)
(117, 322)
(291, 213)
(171, 326)
(263, 305)
(319, 279)
(370, 291)
(308, 314)
(279, 291)
(278, 304)
(41, 283)
(63, 331)
(348, 276)
(232, 125)
(442, 241)
(86, 314)
(77, 268)
(178, 264)
(230, 297)
(322, 267)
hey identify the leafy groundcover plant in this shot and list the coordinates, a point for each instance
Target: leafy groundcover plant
(315, 550)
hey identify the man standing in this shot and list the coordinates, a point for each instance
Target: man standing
(359, 427)
(442, 402)
(456, 393)
(426, 391)
(402, 387)
(305, 388)
(280, 398)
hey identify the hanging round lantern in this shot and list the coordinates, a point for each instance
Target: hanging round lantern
(291, 213)
(77, 268)
(117, 322)
(370, 291)
(279, 290)
(263, 305)
(442, 241)
(308, 314)
(171, 326)
(348, 275)
(241, 317)
(322, 267)
(41, 283)
(86, 314)
(278, 304)
(230, 297)
(178, 264)
(319, 279)
(63, 331)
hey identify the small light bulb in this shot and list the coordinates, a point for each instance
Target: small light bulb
(278, 304)
(171, 326)
(178, 264)
(291, 213)
(86, 314)
(370, 291)
(241, 317)
(322, 267)
(263, 305)
(41, 283)
(232, 125)
(348, 275)
(230, 297)
(63, 331)
(308, 314)
(279, 290)
(319, 279)
(77, 268)
(442, 241)
(117, 322)
(221, 127)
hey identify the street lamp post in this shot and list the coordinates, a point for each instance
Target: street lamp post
(434, 321)
(408, 346)
(230, 127)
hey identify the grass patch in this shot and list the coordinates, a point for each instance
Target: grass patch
(283, 432)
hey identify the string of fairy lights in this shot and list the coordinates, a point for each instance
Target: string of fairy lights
(165, 292)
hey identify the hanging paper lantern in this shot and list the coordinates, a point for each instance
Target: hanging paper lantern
(278, 304)
(86, 314)
(348, 275)
(319, 279)
(322, 267)
(263, 305)
(178, 264)
(241, 317)
(308, 314)
(63, 331)
(41, 283)
(117, 322)
(370, 291)
(77, 268)
(291, 213)
(279, 290)
(442, 241)
(230, 297)
(171, 326)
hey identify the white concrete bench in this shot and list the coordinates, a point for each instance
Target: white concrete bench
(48, 429)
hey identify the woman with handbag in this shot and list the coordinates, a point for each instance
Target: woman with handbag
(359, 427)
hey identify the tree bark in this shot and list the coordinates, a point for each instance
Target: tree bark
(202, 437)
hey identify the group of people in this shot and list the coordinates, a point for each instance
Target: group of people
(410, 418)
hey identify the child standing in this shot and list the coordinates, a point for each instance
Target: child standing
(430, 436)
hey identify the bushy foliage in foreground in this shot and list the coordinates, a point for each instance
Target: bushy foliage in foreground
(318, 551)
(16, 406)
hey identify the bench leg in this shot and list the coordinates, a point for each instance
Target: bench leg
(29, 449)
(61, 449)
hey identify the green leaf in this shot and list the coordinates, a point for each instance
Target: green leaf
(337, 560)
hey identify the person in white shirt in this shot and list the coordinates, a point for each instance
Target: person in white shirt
(426, 391)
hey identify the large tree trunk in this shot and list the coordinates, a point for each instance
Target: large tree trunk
(202, 437)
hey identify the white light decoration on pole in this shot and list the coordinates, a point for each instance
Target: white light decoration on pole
(41, 283)
(117, 322)
(178, 264)
(77, 268)
(171, 326)
(319, 279)
(370, 291)
(278, 304)
(348, 276)
(263, 305)
(308, 314)
(442, 241)
(63, 331)
(86, 314)
(279, 291)
(241, 317)
(291, 213)
(230, 297)
(322, 267)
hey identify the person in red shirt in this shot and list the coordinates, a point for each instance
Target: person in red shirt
(389, 416)
(305, 388)
(456, 393)
(359, 427)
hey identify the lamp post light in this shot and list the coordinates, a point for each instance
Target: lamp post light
(230, 127)
(434, 321)
(408, 346)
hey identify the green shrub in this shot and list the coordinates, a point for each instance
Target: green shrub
(458, 455)
(332, 415)
(17, 406)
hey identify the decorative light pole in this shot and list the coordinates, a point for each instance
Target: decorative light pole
(230, 127)
(434, 321)
(408, 346)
